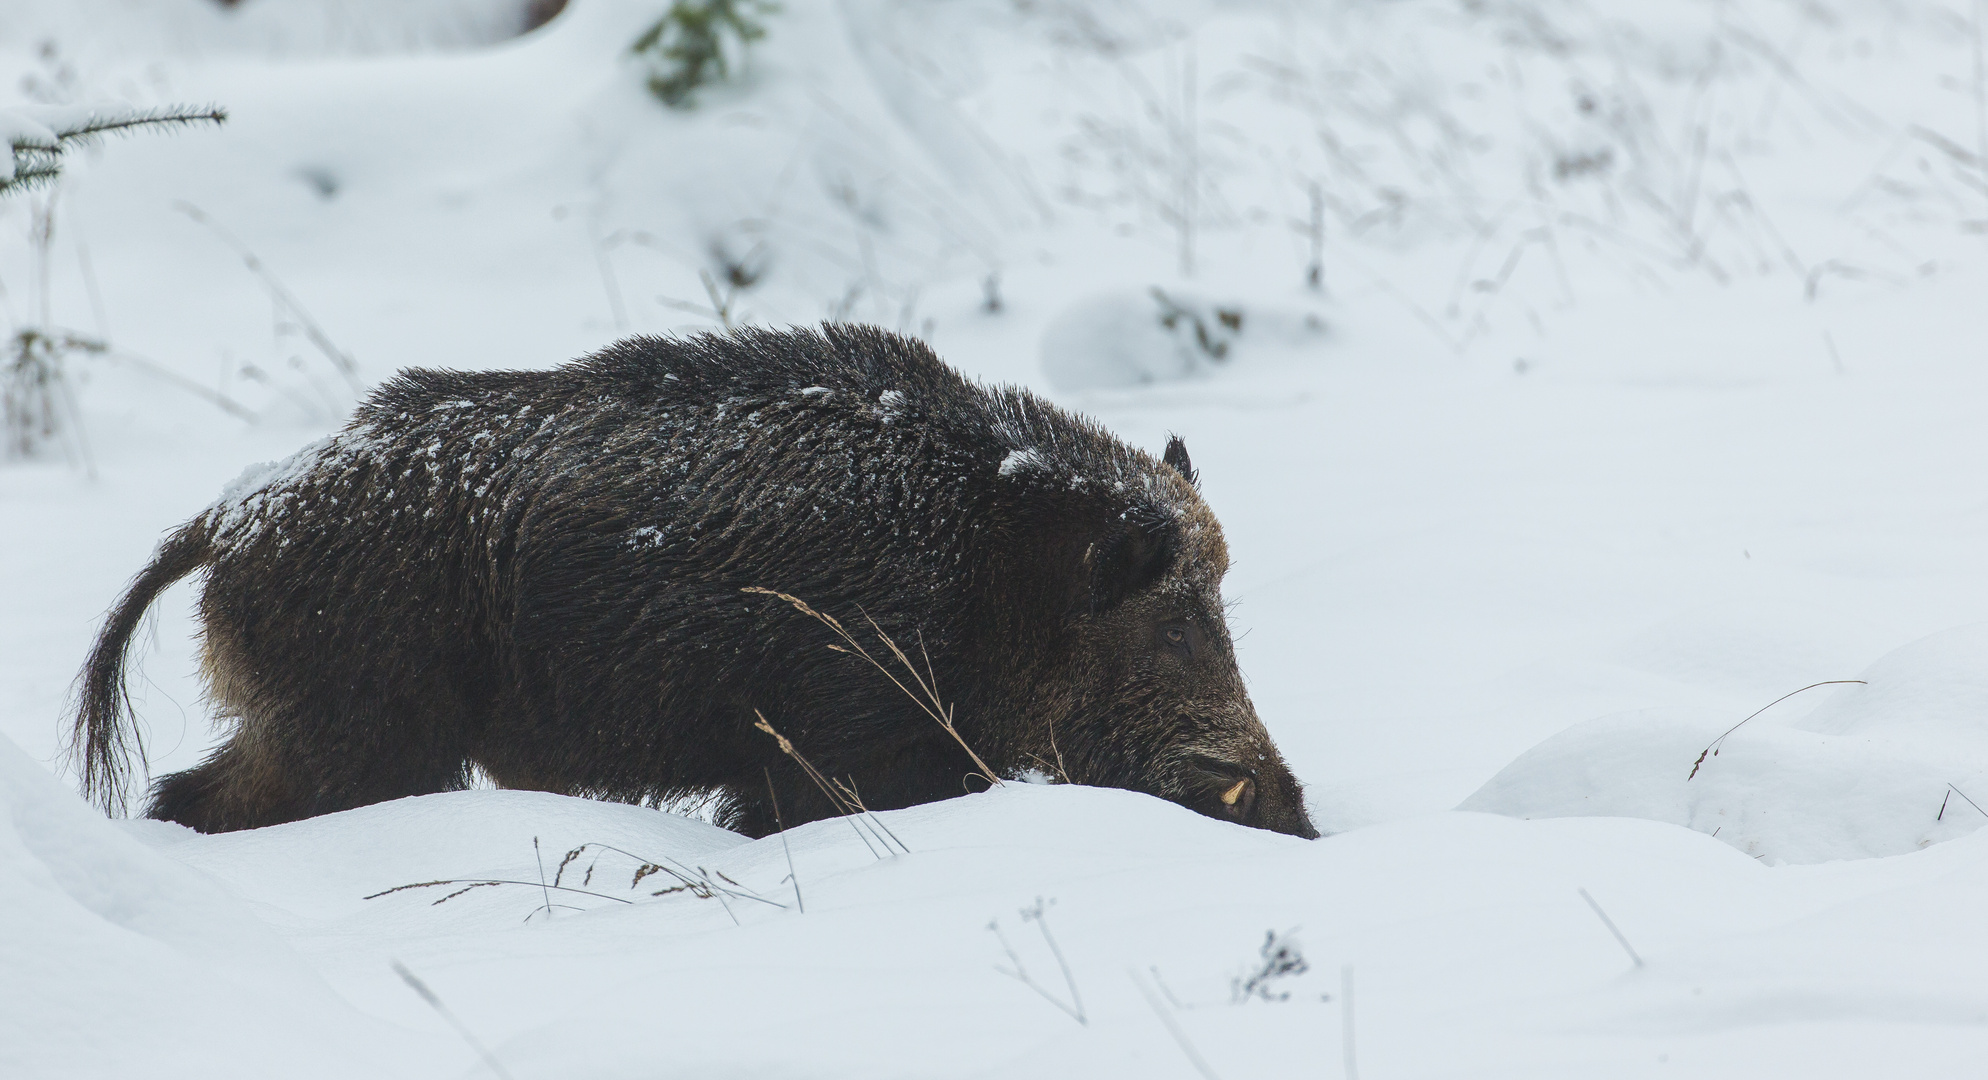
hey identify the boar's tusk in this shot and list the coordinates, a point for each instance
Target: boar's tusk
(1230, 796)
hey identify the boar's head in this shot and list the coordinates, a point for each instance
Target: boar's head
(1138, 687)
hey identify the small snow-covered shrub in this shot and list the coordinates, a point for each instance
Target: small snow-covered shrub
(37, 401)
(1278, 958)
(1133, 339)
(697, 43)
(35, 396)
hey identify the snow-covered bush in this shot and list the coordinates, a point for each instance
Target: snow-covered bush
(37, 402)
(697, 43)
(1132, 339)
(1542, 150)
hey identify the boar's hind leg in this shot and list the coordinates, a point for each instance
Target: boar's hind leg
(296, 762)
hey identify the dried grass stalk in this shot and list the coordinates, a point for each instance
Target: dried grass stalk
(927, 682)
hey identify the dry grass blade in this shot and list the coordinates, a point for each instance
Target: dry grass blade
(855, 798)
(1712, 748)
(480, 882)
(696, 879)
(927, 683)
(789, 852)
(787, 747)
(842, 803)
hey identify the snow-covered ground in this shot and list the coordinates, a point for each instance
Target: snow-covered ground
(1642, 386)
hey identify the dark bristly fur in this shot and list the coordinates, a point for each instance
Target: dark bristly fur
(541, 574)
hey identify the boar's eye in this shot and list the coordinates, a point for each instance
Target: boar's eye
(1177, 639)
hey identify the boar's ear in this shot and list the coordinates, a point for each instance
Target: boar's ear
(1130, 556)
(1176, 456)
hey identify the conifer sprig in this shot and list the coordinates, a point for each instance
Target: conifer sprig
(38, 135)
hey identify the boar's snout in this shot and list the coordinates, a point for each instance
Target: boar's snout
(1280, 804)
(1248, 784)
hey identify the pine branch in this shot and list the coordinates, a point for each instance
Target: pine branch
(31, 176)
(169, 117)
(38, 136)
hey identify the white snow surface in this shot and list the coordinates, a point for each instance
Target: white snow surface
(1641, 388)
(1851, 779)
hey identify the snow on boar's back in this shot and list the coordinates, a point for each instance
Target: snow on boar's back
(559, 577)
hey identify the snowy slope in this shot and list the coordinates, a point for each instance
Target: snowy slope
(1642, 389)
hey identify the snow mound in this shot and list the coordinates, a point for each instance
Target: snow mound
(1878, 769)
(1932, 693)
(1139, 338)
(114, 934)
(290, 28)
(328, 866)
(338, 866)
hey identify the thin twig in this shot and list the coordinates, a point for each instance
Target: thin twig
(1346, 1023)
(213, 397)
(339, 358)
(1610, 923)
(721, 305)
(1020, 974)
(1069, 980)
(1962, 794)
(609, 282)
(435, 1002)
(1173, 1027)
(540, 856)
(1075, 1008)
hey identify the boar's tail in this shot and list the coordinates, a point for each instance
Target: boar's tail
(106, 732)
